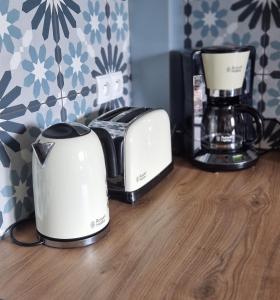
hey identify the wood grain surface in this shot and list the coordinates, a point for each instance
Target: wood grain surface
(197, 235)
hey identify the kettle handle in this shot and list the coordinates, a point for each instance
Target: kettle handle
(109, 151)
(258, 119)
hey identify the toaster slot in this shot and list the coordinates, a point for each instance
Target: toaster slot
(113, 113)
(130, 115)
(120, 155)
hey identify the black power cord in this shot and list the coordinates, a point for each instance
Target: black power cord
(40, 241)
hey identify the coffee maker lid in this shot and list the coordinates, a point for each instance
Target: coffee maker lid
(66, 131)
(225, 49)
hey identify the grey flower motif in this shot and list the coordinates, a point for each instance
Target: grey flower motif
(8, 113)
(275, 45)
(271, 135)
(52, 13)
(39, 69)
(210, 18)
(82, 112)
(43, 122)
(19, 194)
(94, 18)
(76, 60)
(256, 11)
(111, 60)
(8, 30)
(244, 40)
(274, 100)
(120, 21)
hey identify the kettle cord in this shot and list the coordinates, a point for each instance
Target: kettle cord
(40, 241)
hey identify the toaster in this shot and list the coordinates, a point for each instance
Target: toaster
(137, 147)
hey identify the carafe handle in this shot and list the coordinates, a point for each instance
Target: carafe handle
(258, 119)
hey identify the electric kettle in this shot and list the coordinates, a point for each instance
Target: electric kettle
(70, 189)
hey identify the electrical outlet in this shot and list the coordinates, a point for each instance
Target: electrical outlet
(109, 87)
(117, 84)
(103, 88)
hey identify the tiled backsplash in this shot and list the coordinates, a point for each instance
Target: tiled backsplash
(50, 54)
(242, 22)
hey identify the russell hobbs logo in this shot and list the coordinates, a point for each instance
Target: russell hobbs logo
(234, 69)
(224, 139)
(141, 177)
(100, 221)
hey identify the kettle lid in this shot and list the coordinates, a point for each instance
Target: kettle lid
(66, 131)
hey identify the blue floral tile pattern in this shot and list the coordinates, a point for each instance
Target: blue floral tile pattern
(244, 39)
(111, 60)
(83, 112)
(274, 98)
(258, 11)
(8, 126)
(94, 18)
(56, 12)
(50, 53)
(1, 219)
(275, 55)
(39, 69)
(43, 121)
(242, 22)
(210, 18)
(76, 62)
(271, 138)
(19, 194)
(119, 21)
(8, 28)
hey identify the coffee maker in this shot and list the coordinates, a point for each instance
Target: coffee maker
(216, 125)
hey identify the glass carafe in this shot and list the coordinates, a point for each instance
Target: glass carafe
(224, 127)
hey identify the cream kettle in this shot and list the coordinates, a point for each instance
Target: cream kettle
(70, 189)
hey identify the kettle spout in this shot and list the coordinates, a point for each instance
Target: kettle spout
(42, 150)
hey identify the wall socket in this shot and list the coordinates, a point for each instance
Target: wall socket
(109, 87)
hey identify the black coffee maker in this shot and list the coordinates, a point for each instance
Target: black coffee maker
(219, 126)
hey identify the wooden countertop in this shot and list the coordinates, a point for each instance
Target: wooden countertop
(197, 235)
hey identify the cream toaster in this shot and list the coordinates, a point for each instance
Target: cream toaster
(137, 147)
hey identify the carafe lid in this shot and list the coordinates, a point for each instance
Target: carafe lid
(66, 131)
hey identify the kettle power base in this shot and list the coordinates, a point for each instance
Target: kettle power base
(133, 197)
(214, 162)
(74, 243)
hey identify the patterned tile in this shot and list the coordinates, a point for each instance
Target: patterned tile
(31, 61)
(80, 47)
(216, 23)
(273, 53)
(81, 109)
(255, 22)
(16, 181)
(118, 22)
(50, 54)
(258, 93)
(272, 98)
(271, 139)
